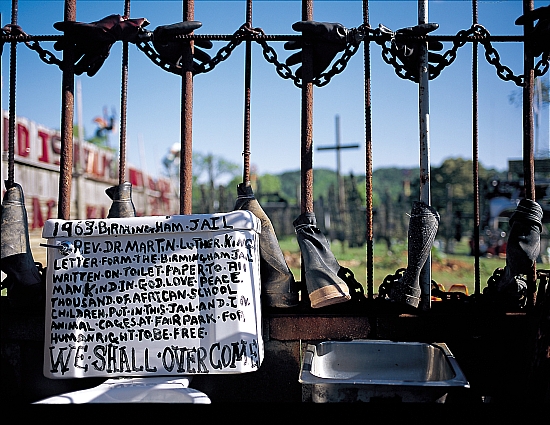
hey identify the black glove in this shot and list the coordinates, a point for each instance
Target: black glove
(92, 42)
(170, 49)
(326, 39)
(539, 39)
(408, 51)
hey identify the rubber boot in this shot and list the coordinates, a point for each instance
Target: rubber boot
(122, 206)
(423, 227)
(522, 250)
(25, 288)
(324, 285)
(279, 288)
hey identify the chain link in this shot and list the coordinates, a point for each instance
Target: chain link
(45, 55)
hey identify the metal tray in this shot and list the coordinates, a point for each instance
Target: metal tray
(377, 370)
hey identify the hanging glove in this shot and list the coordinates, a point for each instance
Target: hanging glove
(409, 51)
(92, 42)
(171, 49)
(326, 39)
(539, 38)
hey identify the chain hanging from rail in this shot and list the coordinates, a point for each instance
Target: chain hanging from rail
(381, 36)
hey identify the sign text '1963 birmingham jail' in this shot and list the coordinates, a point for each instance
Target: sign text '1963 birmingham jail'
(153, 296)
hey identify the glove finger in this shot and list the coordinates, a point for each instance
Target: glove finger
(294, 59)
(435, 58)
(435, 45)
(293, 45)
(129, 29)
(204, 44)
(67, 25)
(312, 27)
(165, 32)
(109, 21)
(320, 65)
(94, 67)
(538, 13)
(201, 56)
(421, 29)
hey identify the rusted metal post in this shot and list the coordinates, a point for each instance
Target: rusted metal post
(528, 133)
(247, 84)
(123, 104)
(12, 116)
(475, 151)
(424, 109)
(368, 155)
(67, 117)
(306, 164)
(186, 158)
(528, 122)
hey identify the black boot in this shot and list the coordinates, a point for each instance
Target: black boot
(322, 271)
(423, 227)
(522, 249)
(122, 206)
(24, 284)
(278, 286)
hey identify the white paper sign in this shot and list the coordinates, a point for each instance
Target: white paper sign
(147, 296)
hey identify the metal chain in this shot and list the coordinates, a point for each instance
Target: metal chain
(355, 37)
(475, 33)
(238, 37)
(382, 36)
(45, 55)
(492, 56)
(17, 34)
(389, 53)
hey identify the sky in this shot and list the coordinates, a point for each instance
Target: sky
(154, 95)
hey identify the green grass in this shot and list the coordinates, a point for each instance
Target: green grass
(447, 269)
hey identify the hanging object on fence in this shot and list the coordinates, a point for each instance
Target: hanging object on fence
(278, 285)
(407, 48)
(326, 39)
(25, 287)
(423, 226)
(539, 38)
(508, 287)
(122, 205)
(170, 49)
(93, 41)
(327, 282)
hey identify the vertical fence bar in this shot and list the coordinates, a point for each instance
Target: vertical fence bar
(368, 155)
(475, 154)
(528, 133)
(123, 104)
(67, 117)
(424, 120)
(186, 158)
(528, 122)
(12, 118)
(247, 80)
(306, 159)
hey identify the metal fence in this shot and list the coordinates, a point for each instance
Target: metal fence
(393, 46)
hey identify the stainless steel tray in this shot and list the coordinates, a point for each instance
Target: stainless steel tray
(375, 370)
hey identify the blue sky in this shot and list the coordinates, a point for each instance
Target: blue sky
(154, 96)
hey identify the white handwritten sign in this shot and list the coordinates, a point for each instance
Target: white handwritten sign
(153, 296)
